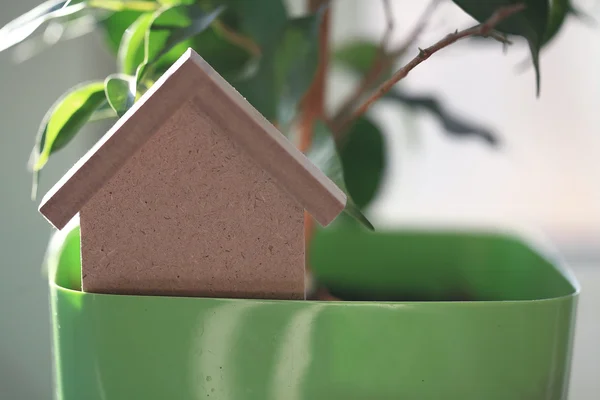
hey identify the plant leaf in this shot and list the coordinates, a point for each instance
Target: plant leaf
(559, 11)
(131, 49)
(114, 26)
(453, 125)
(296, 62)
(284, 72)
(127, 5)
(364, 161)
(531, 23)
(262, 20)
(323, 153)
(64, 119)
(120, 92)
(358, 56)
(24, 26)
(171, 27)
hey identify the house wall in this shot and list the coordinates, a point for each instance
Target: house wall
(192, 214)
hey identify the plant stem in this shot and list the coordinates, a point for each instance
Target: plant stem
(484, 29)
(313, 104)
(383, 61)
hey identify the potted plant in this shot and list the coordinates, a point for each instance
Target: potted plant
(393, 314)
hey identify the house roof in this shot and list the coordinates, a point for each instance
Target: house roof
(182, 83)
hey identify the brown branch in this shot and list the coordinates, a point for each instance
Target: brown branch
(383, 60)
(389, 29)
(416, 31)
(313, 103)
(484, 29)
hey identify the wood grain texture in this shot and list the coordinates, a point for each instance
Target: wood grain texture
(192, 213)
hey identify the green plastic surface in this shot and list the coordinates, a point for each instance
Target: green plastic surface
(511, 341)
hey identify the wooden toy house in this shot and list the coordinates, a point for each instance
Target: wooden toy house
(193, 193)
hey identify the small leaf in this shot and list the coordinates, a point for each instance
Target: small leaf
(530, 23)
(120, 92)
(358, 56)
(22, 27)
(323, 153)
(364, 161)
(453, 125)
(64, 119)
(131, 49)
(131, 5)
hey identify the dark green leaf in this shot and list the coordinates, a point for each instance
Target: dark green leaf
(559, 11)
(131, 49)
(225, 57)
(531, 23)
(296, 62)
(358, 56)
(261, 20)
(21, 28)
(364, 161)
(323, 153)
(284, 73)
(64, 119)
(171, 27)
(453, 125)
(120, 92)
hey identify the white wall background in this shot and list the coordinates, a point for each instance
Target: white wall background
(26, 92)
(545, 175)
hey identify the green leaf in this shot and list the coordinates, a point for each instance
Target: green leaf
(358, 56)
(175, 2)
(130, 5)
(120, 92)
(24, 26)
(115, 25)
(131, 49)
(226, 58)
(171, 27)
(530, 23)
(324, 154)
(64, 119)
(296, 62)
(453, 125)
(559, 11)
(364, 161)
(261, 20)
(284, 72)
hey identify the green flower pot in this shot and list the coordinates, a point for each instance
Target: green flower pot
(465, 316)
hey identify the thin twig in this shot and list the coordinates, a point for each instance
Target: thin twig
(417, 30)
(384, 59)
(484, 29)
(238, 39)
(313, 103)
(389, 29)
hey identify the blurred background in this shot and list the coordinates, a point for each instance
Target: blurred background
(544, 177)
